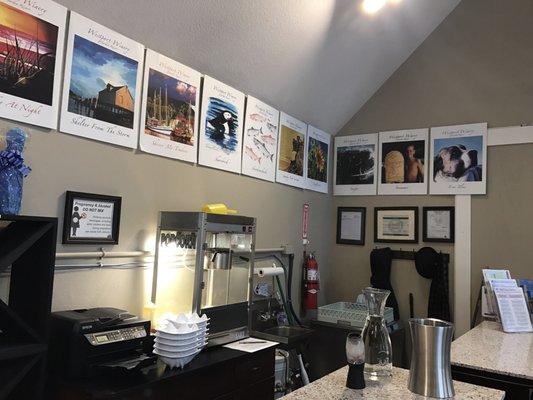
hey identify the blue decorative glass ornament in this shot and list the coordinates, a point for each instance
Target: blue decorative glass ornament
(12, 172)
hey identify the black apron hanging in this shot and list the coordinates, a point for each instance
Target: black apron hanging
(380, 266)
(431, 265)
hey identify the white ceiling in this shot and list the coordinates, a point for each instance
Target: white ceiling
(318, 60)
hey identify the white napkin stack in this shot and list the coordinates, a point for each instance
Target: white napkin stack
(179, 338)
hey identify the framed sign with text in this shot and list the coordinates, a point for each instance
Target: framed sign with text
(91, 218)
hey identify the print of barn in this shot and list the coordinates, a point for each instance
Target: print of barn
(115, 104)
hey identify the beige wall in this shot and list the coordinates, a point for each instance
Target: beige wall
(502, 220)
(350, 266)
(148, 184)
(475, 67)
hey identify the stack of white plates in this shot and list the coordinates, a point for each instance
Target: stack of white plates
(179, 338)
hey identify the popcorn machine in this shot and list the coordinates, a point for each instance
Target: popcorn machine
(204, 263)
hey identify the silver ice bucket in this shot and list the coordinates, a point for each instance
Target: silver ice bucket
(430, 373)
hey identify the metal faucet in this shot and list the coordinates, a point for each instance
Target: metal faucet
(267, 315)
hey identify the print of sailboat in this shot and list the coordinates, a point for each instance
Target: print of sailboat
(183, 126)
(156, 122)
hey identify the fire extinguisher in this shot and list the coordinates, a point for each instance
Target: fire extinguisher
(311, 284)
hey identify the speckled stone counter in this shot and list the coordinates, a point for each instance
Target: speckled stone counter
(333, 387)
(488, 348)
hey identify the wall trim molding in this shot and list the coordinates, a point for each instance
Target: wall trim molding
(510, 135)
(462, 264)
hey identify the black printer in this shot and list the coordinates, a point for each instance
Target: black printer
(90, 341)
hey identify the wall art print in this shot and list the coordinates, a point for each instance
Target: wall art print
(459, 159)
(355, 165)
(291, 151)
(260, 140)
(221, 126)
(403, 162)
(317, 169)
(169, 112)
(32, 38)
(101, 92)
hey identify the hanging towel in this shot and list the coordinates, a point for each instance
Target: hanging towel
(380, 266)
(431, 265)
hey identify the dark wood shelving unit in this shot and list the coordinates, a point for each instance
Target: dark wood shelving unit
(27, 250)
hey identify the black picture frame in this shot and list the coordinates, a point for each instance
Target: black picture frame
(376, 217)
(69, 238)
(451, 238)
(340, 239)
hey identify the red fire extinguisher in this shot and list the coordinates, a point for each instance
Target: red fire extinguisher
(310, 282)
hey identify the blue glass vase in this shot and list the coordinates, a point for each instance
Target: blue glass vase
(12, 172)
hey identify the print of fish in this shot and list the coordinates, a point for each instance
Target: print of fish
(254, 131)
(257, 117)
(271, 127)
(251, 153)
(261, 146)
(268, 139)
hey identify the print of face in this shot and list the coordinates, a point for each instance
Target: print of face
(455, 160)
(410, 151)
(227, 115)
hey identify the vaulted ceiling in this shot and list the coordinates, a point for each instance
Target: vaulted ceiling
(318, 60)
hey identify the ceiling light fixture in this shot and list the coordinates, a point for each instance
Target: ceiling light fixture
(373, 6)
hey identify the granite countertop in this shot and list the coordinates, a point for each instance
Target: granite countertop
(487, 347)
(333, 387)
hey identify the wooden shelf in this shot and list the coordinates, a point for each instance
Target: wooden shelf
(27, 245)
(14, 325)
(17, 238)
(14, 374)
(9, 352)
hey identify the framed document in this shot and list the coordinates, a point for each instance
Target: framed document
(396, 224)
(438, 224)
(351, 225)
(91, 218)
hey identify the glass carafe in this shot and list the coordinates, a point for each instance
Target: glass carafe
(378, 349)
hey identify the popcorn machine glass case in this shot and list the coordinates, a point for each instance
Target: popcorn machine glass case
(204, 263)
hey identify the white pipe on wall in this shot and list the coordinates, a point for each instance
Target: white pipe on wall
(103, 254)
(134, 254)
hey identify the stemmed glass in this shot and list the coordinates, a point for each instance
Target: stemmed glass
(355, 354)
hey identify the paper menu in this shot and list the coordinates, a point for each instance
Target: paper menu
(492, 284)
(250, 345)
(495, 274)
(513, 310)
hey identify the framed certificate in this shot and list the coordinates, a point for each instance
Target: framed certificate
(351, 225)
(439, 224)
(396, 224)
(91, 218)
